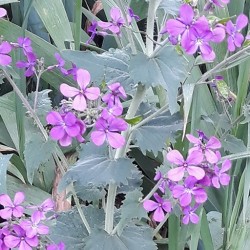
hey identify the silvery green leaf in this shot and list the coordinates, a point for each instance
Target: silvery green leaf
(166, 68)
(95, 168)
(171, 7)
(154, 135)
(233, 144)
(4, 162)
(132, 237)
(111, 66)
(70, 230)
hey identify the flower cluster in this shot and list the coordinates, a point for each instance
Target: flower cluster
(188, 179)
(195, 33)
(114, 25)
(86, 108)
(21, 232)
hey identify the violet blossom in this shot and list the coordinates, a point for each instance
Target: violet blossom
(131, 14)
(235, 38)
(66, 126)
(189, 165)
(5, 49)
(185, 192)
(80, 95)
(117, 21)
(41, 210)
(25, 44)
(212, 3)
(116, 92)
(60, 64)
(220, 177)
(59, 246)
(190, 215)
(206, 148)
(109, 130)
(159, 207)
(29, 64)
(20, 239)
(93, 30)
(12, 208)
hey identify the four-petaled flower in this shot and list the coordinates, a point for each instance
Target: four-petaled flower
(117, 21)
(65, 127)
(25, 44)
(190, 165)
(220, 177)
(235, 38)
(20, 239)
(185, 192)
(83, 80)
(12, 208)
(158, 206)
(5, 48)
(108, 129)
(41, 210)
(29, 64)
(190, 215)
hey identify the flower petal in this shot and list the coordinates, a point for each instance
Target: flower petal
(158, 214)
(57, 133)
(79, 102)
(83, 78)
(176, 174)
(241, 22)
(197, 172)
(19, 198)
(92, 93)
(68, 91)
(150, 205)
(98, 137)
(174, 156)
(115, 140)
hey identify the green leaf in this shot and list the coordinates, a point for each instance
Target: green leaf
(166, 68)
(205, 232)
(2, 2)
(55, 20)
(95, 168)
(112, 65)
(69, 227)
(134, 121)
(171, 7)
(43, 104)
(153, 135)
(37, 151)
(214, 223)
(133, 237)
(131, 209)
(4, 162)
(233, 144)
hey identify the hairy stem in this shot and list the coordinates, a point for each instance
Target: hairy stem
(121, 152)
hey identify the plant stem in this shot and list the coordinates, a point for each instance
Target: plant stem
(45, 135)
(160, 224)
(153, 5)
(148, 196)
(121, 152)
(37, 87)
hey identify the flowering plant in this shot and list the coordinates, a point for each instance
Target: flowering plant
(134, 131)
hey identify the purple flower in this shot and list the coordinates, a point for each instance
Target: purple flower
(41, 210)
(116, 21)
(108, 129)
(111, 111)
(60, 64)
(33, 226)
(185, 192)
(189, 165)
(206, 148)
(59, 246)
(3, 12)
(220, 177)
(29, 65)
(65, 127)
(182, 25)
(73, 71)
(93, 30)
(235, 38)
(211, 3)
(20, 239)
(159, 207)
(25, 44)
(2, 245)
(132, 15)
(5, 48)
(190, 215)
(12, 208)
(83, 80)
(117, 92)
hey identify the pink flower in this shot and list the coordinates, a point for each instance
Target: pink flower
(59, 246)
(3, 12)
(41, 210)
(33, 226)
(108, 129)
(220, 177)
(159, 207)
(20, 239)
(12, 208)
(83, 80)
(235, 38)
(189, 165)
(5, 48)
(190, 215)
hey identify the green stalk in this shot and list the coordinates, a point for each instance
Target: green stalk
(78, 23)
(121, 152)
